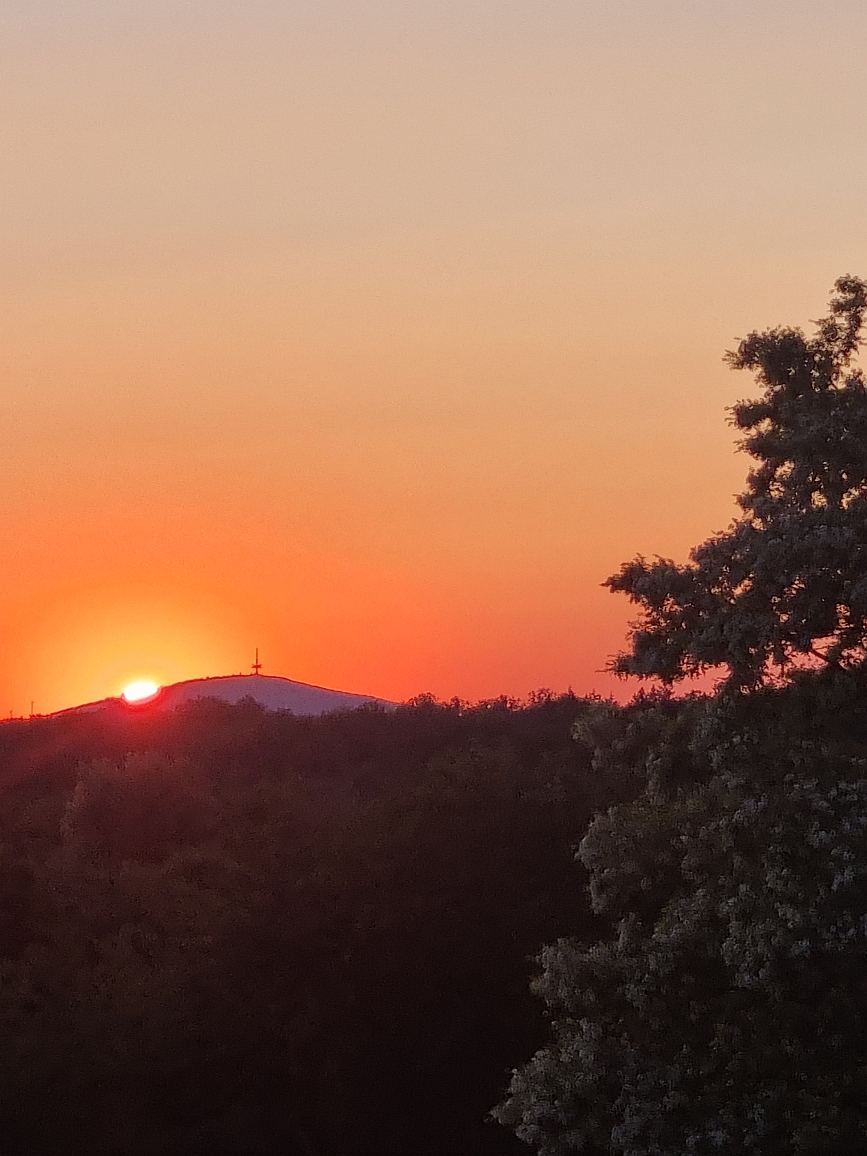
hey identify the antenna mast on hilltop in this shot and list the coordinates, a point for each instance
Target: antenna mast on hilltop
(257, 665)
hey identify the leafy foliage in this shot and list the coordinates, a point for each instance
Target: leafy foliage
(726, 1011)
(788, 579)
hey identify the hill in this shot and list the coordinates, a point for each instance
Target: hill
(268, 691)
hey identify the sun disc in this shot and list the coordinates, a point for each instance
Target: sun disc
(140, 691)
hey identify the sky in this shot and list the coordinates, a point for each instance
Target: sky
(376, 334)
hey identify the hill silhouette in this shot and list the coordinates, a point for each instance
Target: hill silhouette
(269, 691)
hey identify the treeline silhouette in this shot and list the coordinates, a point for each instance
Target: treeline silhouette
(225, 930)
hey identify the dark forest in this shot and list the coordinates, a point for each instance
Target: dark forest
(229, 930)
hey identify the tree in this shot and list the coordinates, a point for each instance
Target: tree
(725, 1010)
(787, 582)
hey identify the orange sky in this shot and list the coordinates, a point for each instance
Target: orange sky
(377, 334)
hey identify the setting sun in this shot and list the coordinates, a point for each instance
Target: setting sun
(140, 691)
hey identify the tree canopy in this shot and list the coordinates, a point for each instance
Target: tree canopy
(227, 930)
(787, 582)
(723, 1011)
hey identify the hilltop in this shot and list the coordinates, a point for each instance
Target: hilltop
(269, 691)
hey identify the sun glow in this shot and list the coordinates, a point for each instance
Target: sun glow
(140, 691)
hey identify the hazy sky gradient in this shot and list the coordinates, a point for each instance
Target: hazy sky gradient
(378, 334)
